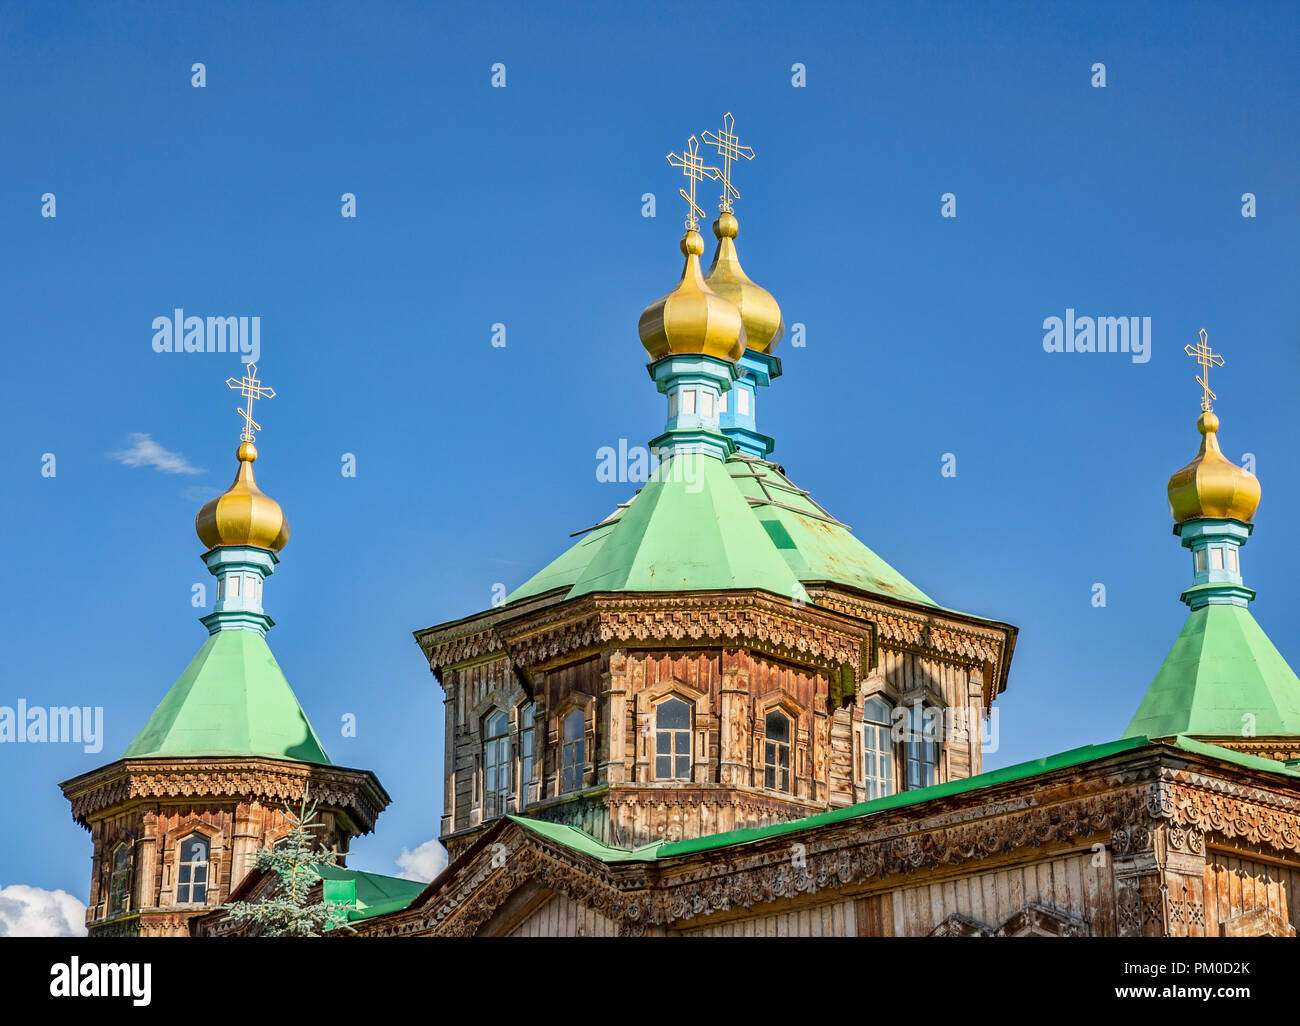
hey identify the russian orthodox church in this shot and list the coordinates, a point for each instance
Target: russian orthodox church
(719, 713)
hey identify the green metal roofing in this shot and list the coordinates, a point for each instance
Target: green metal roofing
(232, 699)
(585, 844)
(699, 524)
(688, 529)
(371, 894)
(1222, 666)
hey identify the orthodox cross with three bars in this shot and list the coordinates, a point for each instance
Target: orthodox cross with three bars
(695, 170)
(728, 146)
(251, 389)
(1207, 358)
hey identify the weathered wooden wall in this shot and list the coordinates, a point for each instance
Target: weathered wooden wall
(561, 916)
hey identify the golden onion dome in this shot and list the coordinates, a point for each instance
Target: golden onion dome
(1212, 485)
(692, 318)
(760, 312)
(242, 514)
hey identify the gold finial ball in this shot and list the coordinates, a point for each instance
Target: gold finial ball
(692, 318)
(243, 514)
(1212, 485)
(726, 226)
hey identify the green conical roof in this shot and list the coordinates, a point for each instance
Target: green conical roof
(1222, 667)
(699, 524)
(232, 700)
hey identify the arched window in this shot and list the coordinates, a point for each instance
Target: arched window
(192, 874)
(672, 740)
(527, 723)
(776, 751)
(572, 755)
(496, 763)
(119, 880)
(878, 768)
(922, 748)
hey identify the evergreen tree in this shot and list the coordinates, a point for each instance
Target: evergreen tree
(284, 911)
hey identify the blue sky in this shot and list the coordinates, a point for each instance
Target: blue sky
(522, 206)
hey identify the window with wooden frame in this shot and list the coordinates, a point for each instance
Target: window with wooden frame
(496, 763)
(673, 739)
(527, 735)
(878, 748)
(921, 747)
(119, 879)
(192, 871)
(778, 735)
(573, 754)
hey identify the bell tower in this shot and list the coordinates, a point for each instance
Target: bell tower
(177, 819)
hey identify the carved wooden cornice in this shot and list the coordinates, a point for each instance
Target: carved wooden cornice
(935, 634)
(1129, 800)
(128, 781)
(807, 635)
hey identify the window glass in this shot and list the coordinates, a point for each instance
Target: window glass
(922, 750)
(496, 763)
(1216, 557)
(1232, 559)
(688, 400)
(572, 755)
(192, 872)
(673, 740)
(742, 401)
(776, 751)
(878, 754)
(119, 887)
(527, 718)
(1200, 561)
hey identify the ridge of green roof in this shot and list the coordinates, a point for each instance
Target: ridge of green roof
(578, 840)
(1257, 762)
(231, 700)
(1221, 667)
(817, 547)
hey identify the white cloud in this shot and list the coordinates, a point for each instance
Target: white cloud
(145, 452)
(33, 912)
(423, 864)
(199, 493)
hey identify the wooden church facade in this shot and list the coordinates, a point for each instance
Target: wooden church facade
(609, 661)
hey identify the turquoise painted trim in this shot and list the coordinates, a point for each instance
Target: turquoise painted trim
(693, 385)
(739, 417)
(240, 571)
(1214, 540)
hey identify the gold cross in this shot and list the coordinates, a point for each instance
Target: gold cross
(728, 145)
(1207, 358)
(251, 389)
(695, 170)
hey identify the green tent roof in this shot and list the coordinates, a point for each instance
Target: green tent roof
(699, 524)
(1222, 666)
(231, 700)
